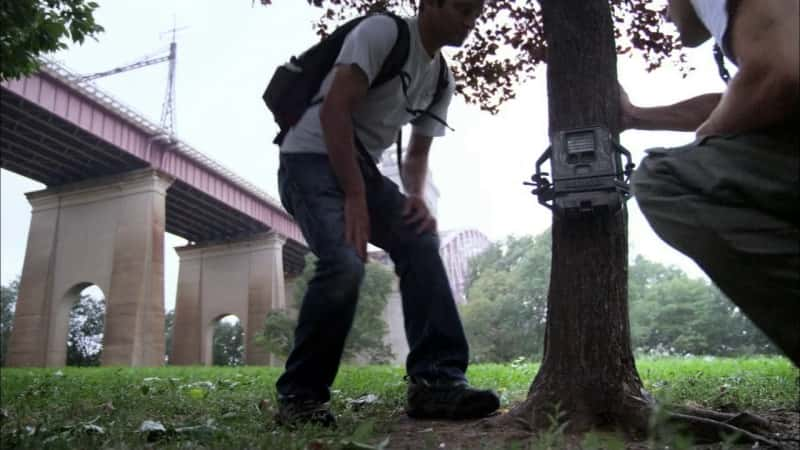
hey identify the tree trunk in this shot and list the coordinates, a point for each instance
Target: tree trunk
(588, 376)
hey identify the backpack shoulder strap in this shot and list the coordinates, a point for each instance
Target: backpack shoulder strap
(395, 60)
(441, 87)
(393, 65)
(442, 83)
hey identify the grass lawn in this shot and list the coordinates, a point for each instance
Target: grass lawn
(199, 407)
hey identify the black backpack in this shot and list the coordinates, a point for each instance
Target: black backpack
(292, 88)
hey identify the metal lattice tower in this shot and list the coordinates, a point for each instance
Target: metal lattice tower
(168, 107)
(168, 122)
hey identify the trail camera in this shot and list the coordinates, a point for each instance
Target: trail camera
(587, 173)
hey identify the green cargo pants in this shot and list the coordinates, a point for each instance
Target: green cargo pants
(733, 205)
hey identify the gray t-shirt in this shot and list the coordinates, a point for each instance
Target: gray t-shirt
(384, 110)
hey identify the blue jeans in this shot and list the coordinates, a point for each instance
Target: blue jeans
(310, 192)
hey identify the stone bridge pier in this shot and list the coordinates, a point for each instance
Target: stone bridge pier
(244, 278)
(108, 232)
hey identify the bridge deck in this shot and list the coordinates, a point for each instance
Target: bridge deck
(57, 131)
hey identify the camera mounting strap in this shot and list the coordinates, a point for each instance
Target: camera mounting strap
(587, 172)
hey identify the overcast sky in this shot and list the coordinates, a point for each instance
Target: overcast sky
(225, 57)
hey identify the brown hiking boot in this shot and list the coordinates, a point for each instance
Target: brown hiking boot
(448, 399)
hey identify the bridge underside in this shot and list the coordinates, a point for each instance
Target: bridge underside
(38, 145)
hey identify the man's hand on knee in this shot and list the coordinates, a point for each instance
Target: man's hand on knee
(416, 211)
(356, 221)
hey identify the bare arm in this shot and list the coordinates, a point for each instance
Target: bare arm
(415, 169)
(415, 166)
(686, 115)
(766, 90)
(348, 88)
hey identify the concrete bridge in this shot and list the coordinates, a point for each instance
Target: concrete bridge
(115, 184)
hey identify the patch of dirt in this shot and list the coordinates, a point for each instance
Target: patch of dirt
(410, 434)
(787, 426)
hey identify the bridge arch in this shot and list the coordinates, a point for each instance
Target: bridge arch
(243, 278)
(109, 231)
(227, 341)
(85, 325)
(457, 247)
(58, 333)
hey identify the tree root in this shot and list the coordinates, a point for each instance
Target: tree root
(709, 428)
(742, 419)
(705, 426)
(506, 421)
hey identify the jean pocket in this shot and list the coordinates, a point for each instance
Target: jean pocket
(311, 175)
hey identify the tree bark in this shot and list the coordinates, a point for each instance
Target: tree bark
(588, 376)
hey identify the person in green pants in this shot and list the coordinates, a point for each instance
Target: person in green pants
(730, 200)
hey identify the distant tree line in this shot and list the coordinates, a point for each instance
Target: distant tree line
(670, 312)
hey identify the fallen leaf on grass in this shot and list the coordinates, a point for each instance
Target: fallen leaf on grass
(151, 425)
(198, 390)
(197, 393)
(360, 402)
(93, 429)
(227, 384)
(154, 430)
(201, 384)
(208, 426)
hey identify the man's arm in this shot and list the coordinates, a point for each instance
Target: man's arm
(415, 165)
(415, 169)
(348, 88)
(686, 115)
(765, 91)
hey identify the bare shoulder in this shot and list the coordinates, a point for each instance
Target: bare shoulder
(766, 32)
